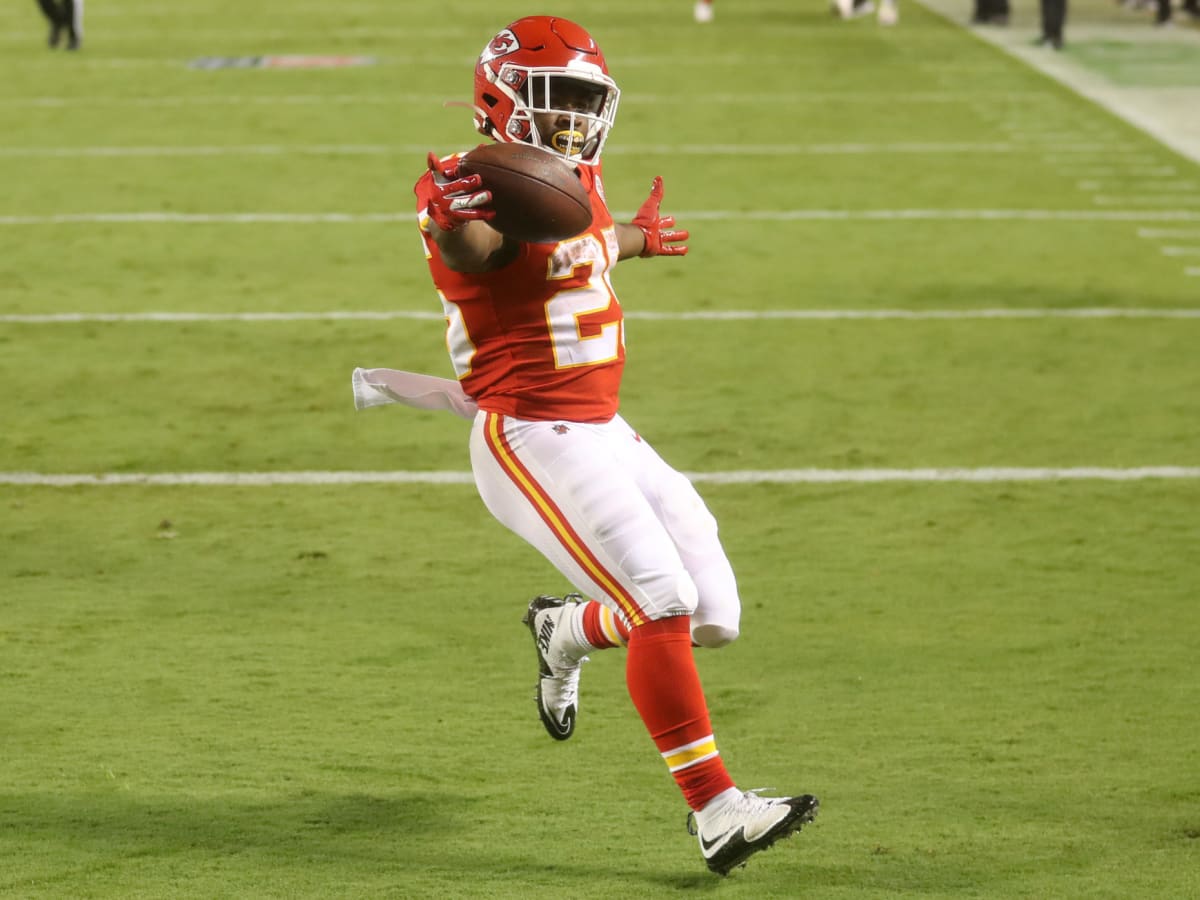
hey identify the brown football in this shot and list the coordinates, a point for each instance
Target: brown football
(537, 196)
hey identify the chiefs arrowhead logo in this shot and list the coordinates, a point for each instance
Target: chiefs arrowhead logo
(502, 44)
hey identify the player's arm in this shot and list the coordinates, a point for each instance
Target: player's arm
(651, 233)
(458, 212)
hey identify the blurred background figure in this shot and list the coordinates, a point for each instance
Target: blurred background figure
(889, 12)
(66, 18)
(990, 12)
(703, 10)
(1054, 17)
(1163, 13)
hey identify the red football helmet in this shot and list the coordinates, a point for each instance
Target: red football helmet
(550, 68)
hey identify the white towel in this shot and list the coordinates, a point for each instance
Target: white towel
(375, 387)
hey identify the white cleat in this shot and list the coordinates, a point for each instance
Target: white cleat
(748, 824)
(702, 11)
(889, 13)
(558, 672)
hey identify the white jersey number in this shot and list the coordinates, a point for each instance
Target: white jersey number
(584, 317)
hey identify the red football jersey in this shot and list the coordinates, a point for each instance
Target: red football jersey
(543, 337)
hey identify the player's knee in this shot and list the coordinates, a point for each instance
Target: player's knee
(714, 636)
(677, 597)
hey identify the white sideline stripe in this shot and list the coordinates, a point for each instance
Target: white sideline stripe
(777, 476)
(931, 147)
(712, 215)
(714, 315)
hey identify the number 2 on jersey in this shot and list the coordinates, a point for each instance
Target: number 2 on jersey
(584, 317)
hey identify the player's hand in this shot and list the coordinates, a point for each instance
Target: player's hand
(455, 200)
(661, 239)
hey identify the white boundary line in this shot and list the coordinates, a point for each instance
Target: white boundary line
(844, 149)
(776, 476)
(1150, 110)
(711, 215)
(705, 315)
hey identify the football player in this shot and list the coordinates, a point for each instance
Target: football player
(537, 340)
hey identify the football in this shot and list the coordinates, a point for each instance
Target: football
(537, 196)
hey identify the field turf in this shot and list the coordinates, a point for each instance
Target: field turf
(324, 690)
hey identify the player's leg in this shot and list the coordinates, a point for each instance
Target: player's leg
(72, 17)
(731, 825)
(565, 630)
(549, 511)
(580, 494)
(693, 530)
(54, 17)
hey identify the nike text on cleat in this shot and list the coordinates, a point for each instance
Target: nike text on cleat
(750, 824)
(558, 672)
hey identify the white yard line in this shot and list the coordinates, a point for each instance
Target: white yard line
(1125, 171)
(839, 149)
(776, 476)
(711, 315)
(400, 98)
(1188, 199)
(1155, 233)
(780, 215)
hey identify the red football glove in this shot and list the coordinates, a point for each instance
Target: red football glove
(660, 239)
(456, 201)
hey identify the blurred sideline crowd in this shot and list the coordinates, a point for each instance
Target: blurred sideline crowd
(65, 17)
(994, 12)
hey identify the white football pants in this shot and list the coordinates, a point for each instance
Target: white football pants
(619, 523)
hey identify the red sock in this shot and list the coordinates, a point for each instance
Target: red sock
(603, 629)
(665, 688)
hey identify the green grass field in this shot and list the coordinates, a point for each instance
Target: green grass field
(323, 690)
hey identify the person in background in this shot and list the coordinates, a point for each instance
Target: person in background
(990, 12)
(1054, 17)
(889, 12)
(65, 18)
(1163, 17)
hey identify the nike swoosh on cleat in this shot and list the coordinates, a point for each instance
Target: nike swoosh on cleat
(709, 846)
